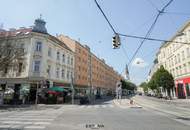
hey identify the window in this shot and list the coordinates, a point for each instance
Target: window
(67, 74)
(175, 59)
(20, 67)
(58, 55)
(178, 56)
(188, 52)
(71, 61)
(57, 72)
(71, 74)
(38, 46)
(183, 55)
(63, 73)
(36, 66)
(68, 60)
(49, 52)
(6, 70)
(49, 70)
(63, 58)
(180, 70)
(185, 68)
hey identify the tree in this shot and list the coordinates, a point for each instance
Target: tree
(161, 79)
(128, 85)
(11, 53)
(144, 85)
(164, 79)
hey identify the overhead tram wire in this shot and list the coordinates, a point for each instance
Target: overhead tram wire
(151, 39)
(105, 16)
(149, 31)
(111, 26)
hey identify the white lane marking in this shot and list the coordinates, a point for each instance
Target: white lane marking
(96, 106)
(21, 119)
(5, 126)
(111, 105)
(89, 106)
(42, 123)
(34, 127)
(11, 122)
(42, 117)
(82, 106)
(104, 106)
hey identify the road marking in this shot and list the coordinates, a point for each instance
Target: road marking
(104, 106)
(111, 106)
(82, 106)
(34, 127)
(5, 126)
(21, 119)
(42, 123)
(96, 106)
(89, 106)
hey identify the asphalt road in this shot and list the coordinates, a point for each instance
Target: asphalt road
(102, 116)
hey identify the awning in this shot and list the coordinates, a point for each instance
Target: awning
(58, 89)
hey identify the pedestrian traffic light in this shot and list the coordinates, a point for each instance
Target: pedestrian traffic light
(116, 41)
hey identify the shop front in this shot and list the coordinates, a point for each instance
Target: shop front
(182, 88)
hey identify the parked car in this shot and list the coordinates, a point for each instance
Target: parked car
(140, 94)
(84, 100)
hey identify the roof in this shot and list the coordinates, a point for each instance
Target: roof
(16, 32)
(27, 31)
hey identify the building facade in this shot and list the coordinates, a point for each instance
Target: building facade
(91, 72)
(47, 61)
(175, 57)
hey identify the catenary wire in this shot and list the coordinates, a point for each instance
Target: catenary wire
(105, 16)
(149, 31)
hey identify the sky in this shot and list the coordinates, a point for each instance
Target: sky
(81, 20)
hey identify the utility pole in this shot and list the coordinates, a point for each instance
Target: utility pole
(73, 90)
(36, 101)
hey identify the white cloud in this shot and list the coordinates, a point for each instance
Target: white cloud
(139, 62)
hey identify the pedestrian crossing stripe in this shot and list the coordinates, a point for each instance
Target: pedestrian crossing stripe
(28, 120)
(96, 106)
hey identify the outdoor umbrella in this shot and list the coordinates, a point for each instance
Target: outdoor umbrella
(57, 89)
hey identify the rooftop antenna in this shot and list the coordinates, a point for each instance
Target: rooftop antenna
(40, 16)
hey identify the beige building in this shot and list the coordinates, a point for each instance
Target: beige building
(91, 72)
(175, 57)
(48, 61)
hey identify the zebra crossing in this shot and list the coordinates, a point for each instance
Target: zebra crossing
(29, 120)
(102, 106)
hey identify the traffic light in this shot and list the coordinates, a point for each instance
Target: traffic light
(116, 41)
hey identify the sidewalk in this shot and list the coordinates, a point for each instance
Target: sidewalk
(177, 102)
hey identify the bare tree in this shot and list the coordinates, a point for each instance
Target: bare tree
(11, 53)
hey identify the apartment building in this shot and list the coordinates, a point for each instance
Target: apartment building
(175, 57)
(91, 72)
(48, 61)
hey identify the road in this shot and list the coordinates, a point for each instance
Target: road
(105, 115)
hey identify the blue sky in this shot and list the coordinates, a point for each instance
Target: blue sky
(80, 19)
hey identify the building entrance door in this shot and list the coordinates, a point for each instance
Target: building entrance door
(187, 90)
(181, 93)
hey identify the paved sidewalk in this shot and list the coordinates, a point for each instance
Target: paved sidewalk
(177, 102)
